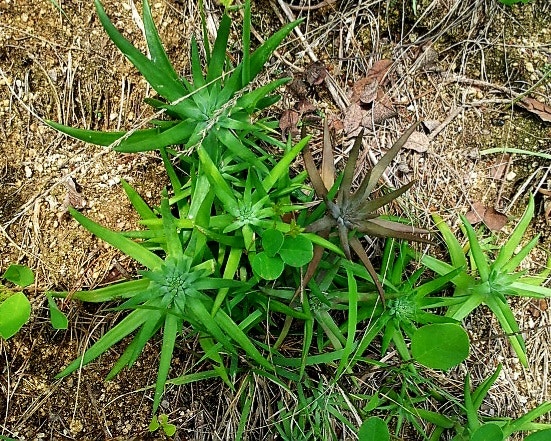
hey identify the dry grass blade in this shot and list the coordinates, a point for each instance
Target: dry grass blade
(360, 252)
(327, 162)
(348, 176)
(312, 170)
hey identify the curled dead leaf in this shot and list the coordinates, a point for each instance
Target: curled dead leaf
(382, 110)
(378, 72)
(476, 214)
(298, 88)
(431, 124)
(369, 93)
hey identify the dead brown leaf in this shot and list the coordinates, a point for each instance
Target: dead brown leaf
(369, 92)
(382, 110)
(298, 88)
(288, 122)
(476, 215)
(316, 73)
(537, 108)
(352, 118)
(378, 71)
(418, 141)
(431, 124)
(492, 218)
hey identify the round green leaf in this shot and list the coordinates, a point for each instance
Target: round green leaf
(296, 251)
(440, 346)
(542, 435)
(272, 241)
(266, 267)
(21, 275)
(373, 429)
(488, 432)
(14, 313)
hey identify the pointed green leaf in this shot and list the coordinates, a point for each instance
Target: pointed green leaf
(125, 327)
(170, 331)
(219, 184)
(282, 167)
(506, 253)
(155, 45)
(127, 246)
(478, 255)
(165, 86)
(137, 201)
(57, 318)
(218, 55)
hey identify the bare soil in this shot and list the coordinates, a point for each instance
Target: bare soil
(454, 63)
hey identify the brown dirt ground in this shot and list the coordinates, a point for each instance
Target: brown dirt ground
(61, 66)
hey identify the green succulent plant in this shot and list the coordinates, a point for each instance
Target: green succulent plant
(488, 280)
(214, 108)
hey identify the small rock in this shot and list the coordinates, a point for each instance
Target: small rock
(529, 67)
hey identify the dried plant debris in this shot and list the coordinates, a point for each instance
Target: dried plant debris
(418, 141)
(370, 104)
(500, 166)
(534, 106)
(492, 218)
(300, 88)
(288, 122)
(73, 196)
(315, 73)
(547, 204)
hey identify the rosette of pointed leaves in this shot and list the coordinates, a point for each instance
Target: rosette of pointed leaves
(352, 212)
(177, 290)
(489, 281)
(214, 108)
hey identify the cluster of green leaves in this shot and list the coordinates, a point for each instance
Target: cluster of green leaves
(484, 281)
(224, 263)
(15, 307)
